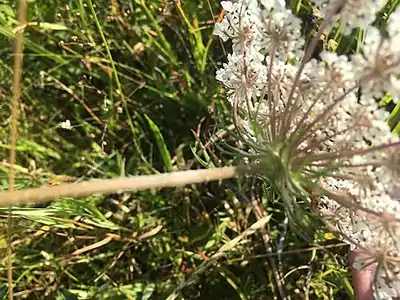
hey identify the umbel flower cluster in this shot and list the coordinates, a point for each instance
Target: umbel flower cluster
(314, 120)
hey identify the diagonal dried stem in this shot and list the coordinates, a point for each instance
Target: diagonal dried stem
(136, 183)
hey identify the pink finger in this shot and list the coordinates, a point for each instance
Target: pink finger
(362, 280)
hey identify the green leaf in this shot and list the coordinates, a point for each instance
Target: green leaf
(140, 291)
(3, 290)
(148, 291)
(48, 26)
(25, 145)
(166, 157)
(396, 130)
(62, 210)
(386, 100)
(86, 208)
(7, 13)
(394, 119)
(65, 294)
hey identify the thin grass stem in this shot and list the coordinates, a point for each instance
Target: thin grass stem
(16, 91)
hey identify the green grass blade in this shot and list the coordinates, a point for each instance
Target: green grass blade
(166, 157)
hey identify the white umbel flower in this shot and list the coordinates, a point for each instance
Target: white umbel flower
(244, 75)
(239, 23)
(351, 13)
(280, 31)
(316, 125)
(378, 65)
